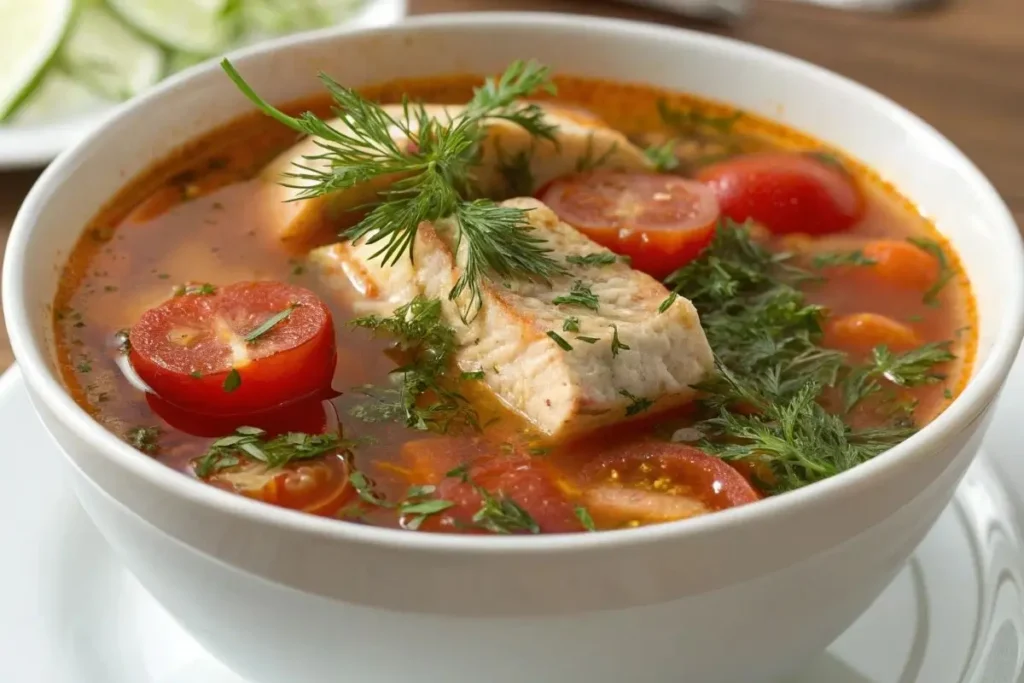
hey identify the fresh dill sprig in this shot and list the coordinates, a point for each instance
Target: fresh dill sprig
(420, 398)
(766, 399)
(912, 368)
(434, 170)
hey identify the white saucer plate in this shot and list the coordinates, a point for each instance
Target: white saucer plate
(34, 146)
(70, 613)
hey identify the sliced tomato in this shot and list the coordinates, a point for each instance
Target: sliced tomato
(786, 193)
(309, 416)
(516, 479)
(319, 487)
(660, 221)
(193, 350)
(635, 483)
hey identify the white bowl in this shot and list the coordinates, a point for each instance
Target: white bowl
(748, 594)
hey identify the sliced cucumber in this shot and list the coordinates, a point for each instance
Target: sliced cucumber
(178, 61)
(266, 18)
(197, 26)
(31, 34)
(59, 97)
(109, 57)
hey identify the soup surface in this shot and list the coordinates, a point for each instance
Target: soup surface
(228, 333)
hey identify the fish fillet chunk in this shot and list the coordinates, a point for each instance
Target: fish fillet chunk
(512, 163)
(563, 392)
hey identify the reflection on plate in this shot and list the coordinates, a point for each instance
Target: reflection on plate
(72, 614)
(30, 146)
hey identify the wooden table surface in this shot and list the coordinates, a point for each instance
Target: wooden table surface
(959, 66)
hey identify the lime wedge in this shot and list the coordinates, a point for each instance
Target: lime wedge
(58, 97)
(108, 57)
(196, 26)
(31, 33)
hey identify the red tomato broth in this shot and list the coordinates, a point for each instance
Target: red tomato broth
(121, 267)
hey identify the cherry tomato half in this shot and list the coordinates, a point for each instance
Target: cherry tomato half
(787, 193)
(218, 353)
(319, 487)
(518, 478)
(654, 481)
(660, 221)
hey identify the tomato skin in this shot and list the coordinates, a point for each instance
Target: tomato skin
(179, 349)
(318, 487)
(661, 222)
(526, 481)
(785, 192)
(663, 471)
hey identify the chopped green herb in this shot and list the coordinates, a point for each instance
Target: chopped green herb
(269, 323)
(617, 345)
(834, 259)
(769, 359)
(827, 158)
(571, 325)
(538, 450)
(663, 156)
(946, 272)
(667, 303)
(251, 443)
(516, 171)
(588, 162)
(205, 289)
(691, 120)
(232, 381)
(566, 346)
(477, 374)
(428, 343)
(164, 276)
(588, 340)
(84, 365)
(502, 515)
(144, 439)
(364, 489)
(110, 288)
(586, 520)
(579, 295)
(600, 258)
(909, 369)
(947, 394)
(637, 405)
(196, 374)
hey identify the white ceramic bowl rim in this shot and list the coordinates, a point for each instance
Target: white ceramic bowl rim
(31, 354)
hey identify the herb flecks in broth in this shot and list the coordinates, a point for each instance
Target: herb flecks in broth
(421, 398)
(434, 173)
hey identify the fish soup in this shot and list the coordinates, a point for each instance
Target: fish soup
(539, 304)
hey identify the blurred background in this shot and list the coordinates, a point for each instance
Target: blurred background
(959, 64)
